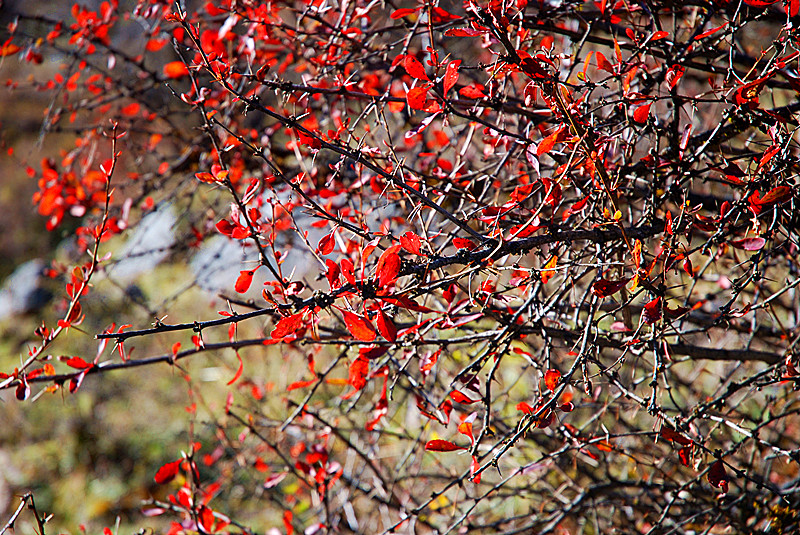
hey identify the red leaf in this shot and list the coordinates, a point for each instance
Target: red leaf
(300, 384)
(274, 479)
(551, 379)
(546, 145)
(441, 445)
(410, 242)
(348, 270)
(603, 63)
(760, 3)
(717, 476)
(405, 302)
(465, 428)
(641, 113)
(684, 454)
(423, 124)
(388, 266)
(287, 325)
(75, 382)
(669, 434)
(475, 91)
(524, 407)
(549, 269)
(532, 68)
(451, 75)
(417, 96)
(463, 243)
(464, 32)
(238, 371)
(415, 68)
(360, 327)
(780, 194)
(332, 273)
(244, 281)
(23, 390)
(606, 288)
(750, 244)
(357, 374)
(175, 69)
(400, 13)
(461, 398)
(326, 244)
(474, 467)
(168, 472)
(8, 48)
(652, 311)
(78, 363)
(386, 327)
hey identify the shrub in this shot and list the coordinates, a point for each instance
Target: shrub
(514, 267)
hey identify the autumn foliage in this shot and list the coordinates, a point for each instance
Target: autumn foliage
(549, 256)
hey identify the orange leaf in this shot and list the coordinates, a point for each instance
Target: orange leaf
(441, 445)
(360, 327)
(8, 48)
(238, 371)
(549, 269)
(465, 428)
(551, 379)
(175, 69)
